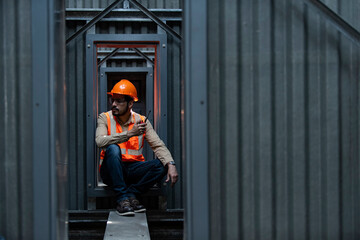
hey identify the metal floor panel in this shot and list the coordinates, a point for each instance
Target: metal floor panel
(123, 227)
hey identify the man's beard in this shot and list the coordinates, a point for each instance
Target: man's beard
(121, 113)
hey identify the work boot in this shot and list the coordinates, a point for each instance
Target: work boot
(135, 204)
(124, 208)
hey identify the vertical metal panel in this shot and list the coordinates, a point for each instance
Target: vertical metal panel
(216, 194)
(175, 198)
(57, 19)
(34, 155)
(75, 76)
(49, 141)
(197, 209)
(349, 127)
(283, 91)
(16, 182)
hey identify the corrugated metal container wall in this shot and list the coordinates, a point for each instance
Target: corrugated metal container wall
(283, 121)
(75, 75)
(16, 189)
(33, 166)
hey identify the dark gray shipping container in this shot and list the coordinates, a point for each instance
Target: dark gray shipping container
(263, 121)
(33, 165)
(282, 120)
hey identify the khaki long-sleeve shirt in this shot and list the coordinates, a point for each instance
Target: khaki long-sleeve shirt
(103, 139)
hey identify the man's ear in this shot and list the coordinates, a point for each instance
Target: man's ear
(131, 104)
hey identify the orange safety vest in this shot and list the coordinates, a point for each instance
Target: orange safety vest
(131, 150)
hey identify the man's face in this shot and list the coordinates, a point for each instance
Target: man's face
(119, 106)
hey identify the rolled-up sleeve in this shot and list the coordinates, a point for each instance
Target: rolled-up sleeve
(102, 138)
(157, 145)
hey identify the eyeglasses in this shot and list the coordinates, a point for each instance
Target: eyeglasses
(117, 100)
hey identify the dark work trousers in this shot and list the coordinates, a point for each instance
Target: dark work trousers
(129, 179)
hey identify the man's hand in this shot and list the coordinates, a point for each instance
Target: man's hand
(172, 174)
(138, 129)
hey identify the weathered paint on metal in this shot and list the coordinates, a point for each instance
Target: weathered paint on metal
(283, 91)
(16, 180)
(33, 177)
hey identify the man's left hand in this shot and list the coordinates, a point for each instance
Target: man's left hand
(172, 174)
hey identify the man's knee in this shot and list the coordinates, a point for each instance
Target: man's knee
(157, 166)
(112, 153)
(158, 163)
(113, 149)
(161, 168)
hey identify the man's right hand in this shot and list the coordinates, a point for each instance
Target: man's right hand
(172, 174)
(137, 129)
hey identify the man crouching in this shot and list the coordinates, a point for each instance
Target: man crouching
(121, 134)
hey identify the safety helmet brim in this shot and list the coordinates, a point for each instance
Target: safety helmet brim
(114, 95)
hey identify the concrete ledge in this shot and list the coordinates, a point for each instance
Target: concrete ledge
(126, 228)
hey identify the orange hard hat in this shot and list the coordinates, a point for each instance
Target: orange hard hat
(124, 87)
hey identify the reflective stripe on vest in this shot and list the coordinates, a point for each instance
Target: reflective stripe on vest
(132, 149)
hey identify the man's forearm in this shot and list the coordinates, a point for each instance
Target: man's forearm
(105, 140)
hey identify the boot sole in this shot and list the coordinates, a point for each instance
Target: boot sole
(125, 213)
(140, 210)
